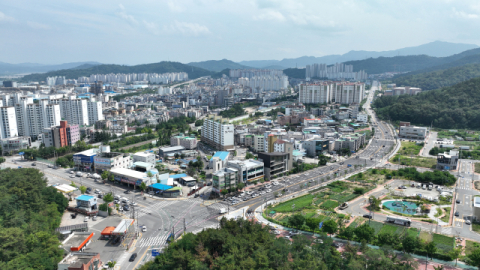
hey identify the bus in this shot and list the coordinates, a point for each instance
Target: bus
(399, 220)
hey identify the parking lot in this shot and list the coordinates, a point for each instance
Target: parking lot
(421, 190)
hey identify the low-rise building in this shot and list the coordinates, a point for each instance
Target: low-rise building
(185, 141)
(13, 144)
(147, 157)
(447, 161)
(110, 160)
(413, 132)
(316, 147)
(225, 178)
(248, 170)
(84, 161)
(164, 151)
(63, 135)
(87, 202)
(218, 160)
(130, 177)
(362, 117)
(275, 163)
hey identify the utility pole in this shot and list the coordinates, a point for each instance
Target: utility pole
(184, 226)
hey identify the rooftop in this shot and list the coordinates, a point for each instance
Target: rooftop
(176, 176)
(143, 154)
(160, 186)
(142, 164)
(172, 148)
(129, 173)
(84, 198)
(221, 155)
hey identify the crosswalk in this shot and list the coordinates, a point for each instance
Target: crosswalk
(142, 211)
(156, 241)
(459, 220)
(218, 206)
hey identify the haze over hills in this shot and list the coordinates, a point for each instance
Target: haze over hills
(161, 67)
(11, 69)
(218, 65)
(434, 49)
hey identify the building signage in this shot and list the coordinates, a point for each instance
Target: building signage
(77, 159)
(103, 161)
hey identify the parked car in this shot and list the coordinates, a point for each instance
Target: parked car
(85, 219)
(458, 201)
(367, 216)
(144, 228)
(457, 214)
(468, 222)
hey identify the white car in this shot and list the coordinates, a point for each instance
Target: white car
(269, 190)
(249, 192)
(85, 219)
(144, 228)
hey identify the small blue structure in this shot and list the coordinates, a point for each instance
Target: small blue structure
(87, 202)
(160, 187)
(221, 155)
(177, 176)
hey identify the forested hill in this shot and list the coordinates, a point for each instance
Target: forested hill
(161, 67)
(409, 63)
(456, 106)
(441, 78)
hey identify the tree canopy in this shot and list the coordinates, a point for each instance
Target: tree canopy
(456, 106)
(29, 213)
(241, 244)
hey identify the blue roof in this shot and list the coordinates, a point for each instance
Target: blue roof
(176, 176)
(160, 186)
(84, 198)
(221, 155)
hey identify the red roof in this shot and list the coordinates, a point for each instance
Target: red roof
(108, 230)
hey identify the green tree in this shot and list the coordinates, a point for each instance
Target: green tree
(240, 185)
(108, 197)
(474, 258)
(224, 192)
(111, 178)
(455, 254)
(83, 189)
(296, 220)
(2, 160)
(249, 156)
(330, 226)
(104, 175)
(431, 249)
(409, 243)
(365, 232)
(143, 186)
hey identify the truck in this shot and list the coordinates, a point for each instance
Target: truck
(223, 210)
(430, 187)
(343, 206)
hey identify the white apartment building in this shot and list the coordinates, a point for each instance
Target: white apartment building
(8, 125)
(362, 117)
(314, 93)
(75, 111)
(95, 112)
(218, 133)
(348, 92)
(259, 143)
(32, 118)
(266, 83)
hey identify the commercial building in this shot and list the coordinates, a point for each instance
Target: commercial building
(62, 135)
(276, 163)
(352, 142)
(130, 177)
(314, 148)
(87, 202)
(447, 161)
(77, 241)
(413, 132)
(165, 151)
(84, 160)
(218, 160)
(185, 141)
(225, 178)
(147, 157)
(109, 160)
(8, 123)
(13, 144)
(80, 261)
(218, 133)
(248, 170)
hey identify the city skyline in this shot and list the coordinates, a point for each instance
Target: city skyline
(53, 32)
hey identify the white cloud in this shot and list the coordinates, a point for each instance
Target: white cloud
(174, 6)
(270, 15)
(151, 27)
(123, 14)
(5, 18)
(38, 26)
(465, 15)
(188, 29)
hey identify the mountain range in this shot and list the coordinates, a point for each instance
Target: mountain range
(434, 49)
(12, 69)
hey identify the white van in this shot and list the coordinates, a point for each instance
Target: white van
(223, 211)
(424, 187)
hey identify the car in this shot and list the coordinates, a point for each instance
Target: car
(133, 257)
(468, 222)
(133, 203)
(367, 216)
(287, 237)
(457, 214)
(116, 202)
(127, 191)
(277, 232)
(458, 201)
(74, 215)
(269, 190)
(245, 199)
(335, 245)
(72, 176)
(94, 218)
(50, 166)
(120, 208)
(85, 219)
(72, 172)
(97, 191)
(144, 228)
(196, 195)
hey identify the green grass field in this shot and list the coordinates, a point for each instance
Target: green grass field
(329, 205)
(387, 228)
(410, 148)
(443, 243)
(477, 167)
(300, 203)
(377, 226)
(471, 246)
(414, 161)
(426, 236)
(412, 232)
(446, 218)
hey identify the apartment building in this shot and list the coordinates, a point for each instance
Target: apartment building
(62, 135)
(188, 142)
(314, 93)
(33, 118)
(348, 92)
(8, 124)
(353, 142)
(75, 111)
(218, 133)
(94, 111)
(259, 143)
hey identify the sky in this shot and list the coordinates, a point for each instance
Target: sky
(148, 31)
